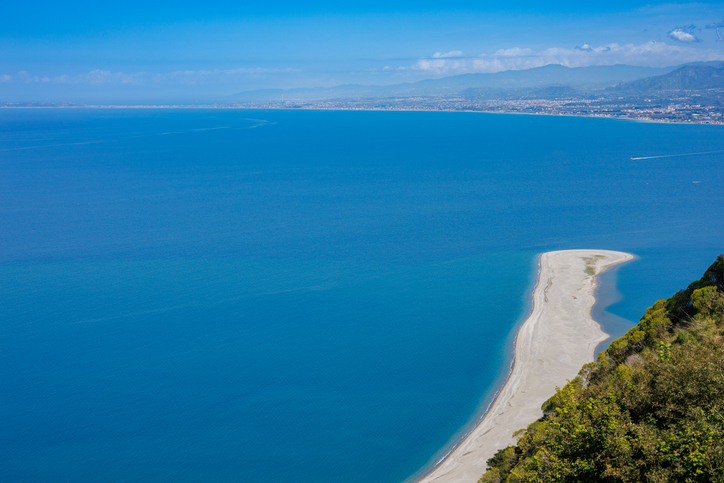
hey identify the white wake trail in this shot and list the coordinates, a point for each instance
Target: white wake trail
(677, 155)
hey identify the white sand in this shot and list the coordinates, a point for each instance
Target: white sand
(552, 344)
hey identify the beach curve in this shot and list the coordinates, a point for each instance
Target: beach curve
(552, 344)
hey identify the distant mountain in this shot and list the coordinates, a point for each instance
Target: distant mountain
(540, 77)
(553, 74)
(688, 77)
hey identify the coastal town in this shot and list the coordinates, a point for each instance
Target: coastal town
(694, 107)
(688, 107)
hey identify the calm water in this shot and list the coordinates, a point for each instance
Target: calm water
(203, 295)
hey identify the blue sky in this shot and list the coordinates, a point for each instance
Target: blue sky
(165, 51)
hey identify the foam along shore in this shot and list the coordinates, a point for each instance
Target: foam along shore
(553, 343)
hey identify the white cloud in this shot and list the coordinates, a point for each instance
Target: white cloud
(682, 36)
(439, 66)
(514, 52)
(650, 54)
(99, 77)
(94, 77)
(217, 75)
(451, 54)
(717, 26)
(23, 76)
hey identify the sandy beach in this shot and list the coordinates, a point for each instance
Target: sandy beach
(554, 342)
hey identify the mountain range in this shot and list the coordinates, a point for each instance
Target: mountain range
(550, 81)
(687, 77)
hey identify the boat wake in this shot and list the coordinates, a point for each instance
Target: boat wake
(677, 155)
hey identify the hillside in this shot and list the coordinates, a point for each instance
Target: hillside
(688, 77)
(651, 408)
(548, 75)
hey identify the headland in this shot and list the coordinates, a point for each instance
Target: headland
(553, 343)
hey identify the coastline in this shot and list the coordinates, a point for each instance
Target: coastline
(242, 107)
(556, 339)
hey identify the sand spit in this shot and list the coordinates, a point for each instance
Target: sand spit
(552, 345)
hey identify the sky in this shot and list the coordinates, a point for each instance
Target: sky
(146, 52)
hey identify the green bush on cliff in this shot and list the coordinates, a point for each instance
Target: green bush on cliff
(650, 409)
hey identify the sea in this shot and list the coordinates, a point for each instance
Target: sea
(309, 296)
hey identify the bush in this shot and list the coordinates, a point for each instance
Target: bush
(650, 409)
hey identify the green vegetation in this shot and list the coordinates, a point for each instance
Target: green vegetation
(590, 265)
(651, 409)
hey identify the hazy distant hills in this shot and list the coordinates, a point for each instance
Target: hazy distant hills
(688, 77)
(547, 82)
(594, 77)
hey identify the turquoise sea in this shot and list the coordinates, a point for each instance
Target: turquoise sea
(308, 296)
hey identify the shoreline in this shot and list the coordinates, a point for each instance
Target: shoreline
(551, 345)
(211, 106)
